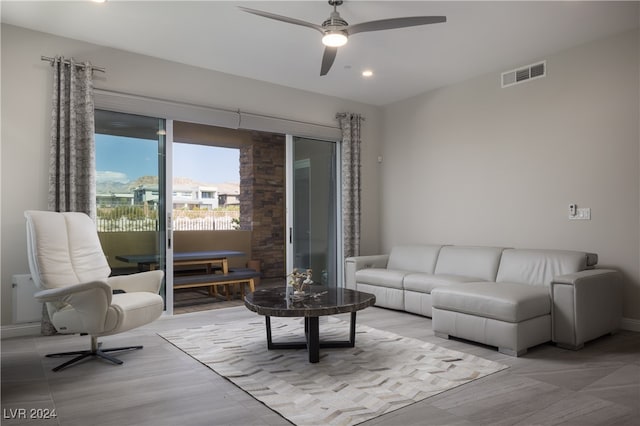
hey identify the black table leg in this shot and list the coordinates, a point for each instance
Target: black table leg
(352, 330)
(313, 338)
(267, 323)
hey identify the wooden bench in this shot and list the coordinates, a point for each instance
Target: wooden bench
(238, 276)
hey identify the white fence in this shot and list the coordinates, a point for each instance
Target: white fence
(206, 220)
(183, 220)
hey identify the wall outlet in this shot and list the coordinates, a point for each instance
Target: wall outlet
(582, 213)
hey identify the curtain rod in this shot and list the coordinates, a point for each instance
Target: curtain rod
(66, 61)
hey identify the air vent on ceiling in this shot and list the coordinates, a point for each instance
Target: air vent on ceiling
(520, 75)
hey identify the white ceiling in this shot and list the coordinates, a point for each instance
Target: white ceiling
(479, 37)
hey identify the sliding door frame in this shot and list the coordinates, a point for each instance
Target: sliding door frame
(168, 198)
(165, 161)
(172, 111)
(290, 178)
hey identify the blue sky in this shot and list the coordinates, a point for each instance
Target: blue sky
(206, 163)
(124, 159)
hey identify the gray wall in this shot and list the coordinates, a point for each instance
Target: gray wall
(467, 164)
(26, 94)
(477, 164)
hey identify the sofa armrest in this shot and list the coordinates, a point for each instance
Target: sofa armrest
(149, 281)
(586, 305)
(354, 264)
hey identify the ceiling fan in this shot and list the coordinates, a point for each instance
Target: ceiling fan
(336, 31)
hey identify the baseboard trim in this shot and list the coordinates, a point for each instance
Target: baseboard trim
(20, 330)
(630, 324)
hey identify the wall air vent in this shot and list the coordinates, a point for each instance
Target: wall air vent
(520, 75)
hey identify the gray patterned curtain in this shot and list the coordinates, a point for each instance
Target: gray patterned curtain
(72, 159)
(72, 178)
(350, 126)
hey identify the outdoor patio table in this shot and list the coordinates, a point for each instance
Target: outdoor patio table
(208, 258)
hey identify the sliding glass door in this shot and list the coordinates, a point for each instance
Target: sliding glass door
(312, 208)
(131, 191)
(134, 196)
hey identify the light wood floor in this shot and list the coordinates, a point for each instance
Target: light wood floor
(160, 385)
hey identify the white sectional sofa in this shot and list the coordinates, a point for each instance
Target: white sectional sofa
(513, 299)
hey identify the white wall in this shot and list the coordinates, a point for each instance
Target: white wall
(479, 165)
(26, 87)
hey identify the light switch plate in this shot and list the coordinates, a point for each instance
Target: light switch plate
(582, 213)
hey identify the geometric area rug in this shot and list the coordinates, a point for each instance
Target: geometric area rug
(382, 373)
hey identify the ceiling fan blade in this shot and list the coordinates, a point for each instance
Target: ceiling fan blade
(328, 57)
(282, 18)
(389, 24)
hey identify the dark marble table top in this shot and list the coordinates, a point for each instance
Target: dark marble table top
(318, 301)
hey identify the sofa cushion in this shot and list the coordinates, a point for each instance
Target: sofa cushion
(424, 283)
(380, 277)
(538, 267)
(476, 262)
(414, 258)
(510, 302)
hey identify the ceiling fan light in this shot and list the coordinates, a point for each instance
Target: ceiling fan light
(334, 38)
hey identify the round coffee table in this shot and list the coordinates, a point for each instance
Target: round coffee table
(319, 301)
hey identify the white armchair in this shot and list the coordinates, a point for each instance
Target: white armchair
(68, 265)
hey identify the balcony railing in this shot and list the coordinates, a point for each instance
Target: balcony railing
(135, 218)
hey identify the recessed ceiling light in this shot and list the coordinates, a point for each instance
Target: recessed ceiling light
(99, 1)
(367, 73)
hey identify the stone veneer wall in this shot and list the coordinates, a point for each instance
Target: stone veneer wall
(262, 200)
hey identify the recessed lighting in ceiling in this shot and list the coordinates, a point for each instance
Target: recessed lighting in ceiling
(367, 73)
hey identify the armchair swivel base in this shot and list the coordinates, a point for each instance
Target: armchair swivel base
(94, 352)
